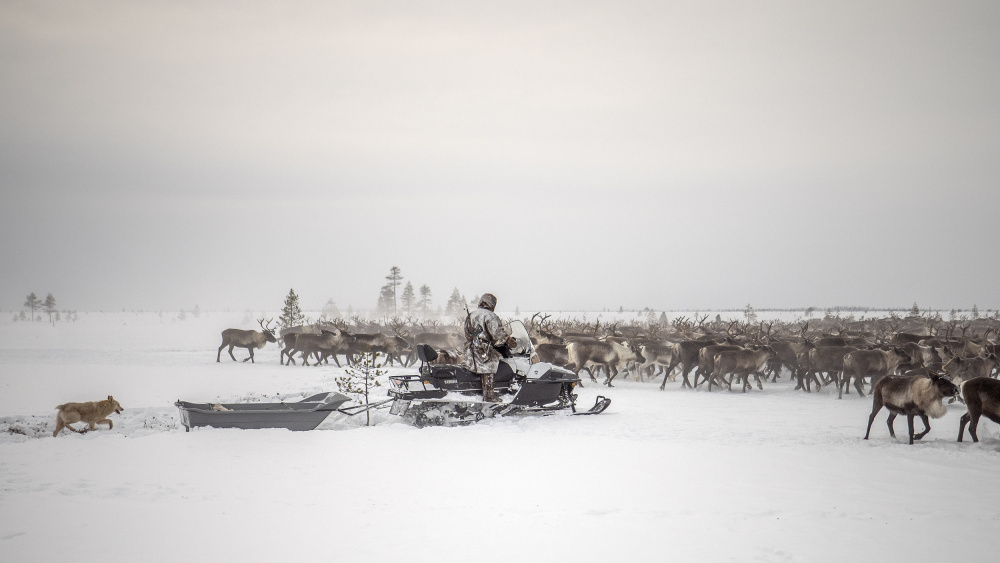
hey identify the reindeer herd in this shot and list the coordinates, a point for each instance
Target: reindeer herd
(909, 364)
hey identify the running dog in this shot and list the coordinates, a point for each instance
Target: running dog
(92, 412)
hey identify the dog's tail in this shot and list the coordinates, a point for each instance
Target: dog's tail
(61, 407)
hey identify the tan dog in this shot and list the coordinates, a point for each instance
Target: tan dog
(92, 412)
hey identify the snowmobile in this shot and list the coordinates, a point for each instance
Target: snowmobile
(450, 395)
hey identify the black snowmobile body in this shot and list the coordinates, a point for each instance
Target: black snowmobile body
(451, 394)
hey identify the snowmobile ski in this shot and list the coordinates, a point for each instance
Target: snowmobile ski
(600, 405)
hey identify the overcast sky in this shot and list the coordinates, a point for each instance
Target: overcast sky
(562, 155)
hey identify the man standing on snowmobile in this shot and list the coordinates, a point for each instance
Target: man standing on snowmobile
(484, 333)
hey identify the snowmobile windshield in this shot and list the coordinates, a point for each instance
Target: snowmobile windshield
(520, 334)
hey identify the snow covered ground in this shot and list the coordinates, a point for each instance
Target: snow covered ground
(661, 476)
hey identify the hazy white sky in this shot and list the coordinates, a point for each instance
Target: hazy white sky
(562, 155)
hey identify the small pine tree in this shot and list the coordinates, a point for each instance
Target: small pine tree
(291, 314)
(49, 305)
(914, 310)
(456, 304)
(196, 311)
(361, 379)
(385, 306)
(408, 299)
(975, 311)
(330, 311)
(32, 302)
(394, 278)
(425, 300)
(750, 314)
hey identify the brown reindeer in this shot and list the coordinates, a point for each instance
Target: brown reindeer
(912, 396)
(329, 343)
(876, 364)
(982, 397)
(391, 347)
(740, 364)
(609, 355)
(824, 359)
(685, 355)
(963, 369)
(555, 354)
(706, 361)
(658, 354)
(249, 339)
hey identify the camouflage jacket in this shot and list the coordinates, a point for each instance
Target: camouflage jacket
(483, 330)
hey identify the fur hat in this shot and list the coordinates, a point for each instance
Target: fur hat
(488, 301)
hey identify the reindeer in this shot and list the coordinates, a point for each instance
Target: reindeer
(922, 356)
(788, 354)
(740, 364)
(982, 397)
(541, 334)
(555, 354)
(685, 355)
(869, 363)
(961, 369)
(606, 354)
(658, 354)
(288, 336)
(392, 347)
(823, 359)
(706, 361)
(330, 342)
(912, 396)
(249, 339)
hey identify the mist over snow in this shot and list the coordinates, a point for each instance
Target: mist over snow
(562, 155)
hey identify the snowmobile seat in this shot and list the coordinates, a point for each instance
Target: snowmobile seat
(504, 373)
(425, 353)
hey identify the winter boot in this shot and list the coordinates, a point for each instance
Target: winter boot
(488, 395)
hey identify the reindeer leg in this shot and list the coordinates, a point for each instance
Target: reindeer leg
(250, 349)
(684, 372)
(927, 427)
(889, 421)
(909, 426)
(664, 383)
(219, 355)
(859, 383)
(961, 427)
(231, 346)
